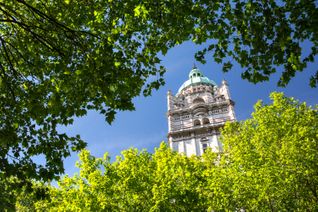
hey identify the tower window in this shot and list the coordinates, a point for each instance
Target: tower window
(224, 109)
(206, 121)
(204, 147)
(196, 123)
(198, 100)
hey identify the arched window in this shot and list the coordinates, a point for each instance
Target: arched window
(204, 147)
(204, 143)
(201, 110)
(196, 122)
(206, 121)
(198, 100)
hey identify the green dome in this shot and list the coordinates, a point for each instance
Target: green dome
(196, 77)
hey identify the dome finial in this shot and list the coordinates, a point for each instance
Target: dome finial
(194, 66)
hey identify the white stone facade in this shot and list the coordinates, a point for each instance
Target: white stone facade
(196, 114)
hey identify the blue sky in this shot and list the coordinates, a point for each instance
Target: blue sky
(147, 126)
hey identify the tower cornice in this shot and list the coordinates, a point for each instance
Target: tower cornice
(208, 105)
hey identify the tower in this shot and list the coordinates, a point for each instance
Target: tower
(196, 114)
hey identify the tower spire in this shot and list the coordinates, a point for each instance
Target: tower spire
(194, 66)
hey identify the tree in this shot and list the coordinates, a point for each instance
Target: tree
(269, 163)
(164, 181)
(62, 58)
(259, 35)
(8, 195)
(58, 60)
(271, 159)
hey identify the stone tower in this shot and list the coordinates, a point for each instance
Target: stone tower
(196, 114)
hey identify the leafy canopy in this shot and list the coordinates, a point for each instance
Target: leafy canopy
(269, 163)
(58, 60)
(273, 156)
(62, 58)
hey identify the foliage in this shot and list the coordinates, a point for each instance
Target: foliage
(24, 191)
(269, 163)
(259, 35)
(62, 58)
(58, 60)
(274, 156)
(8, 195)
(137, 181)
